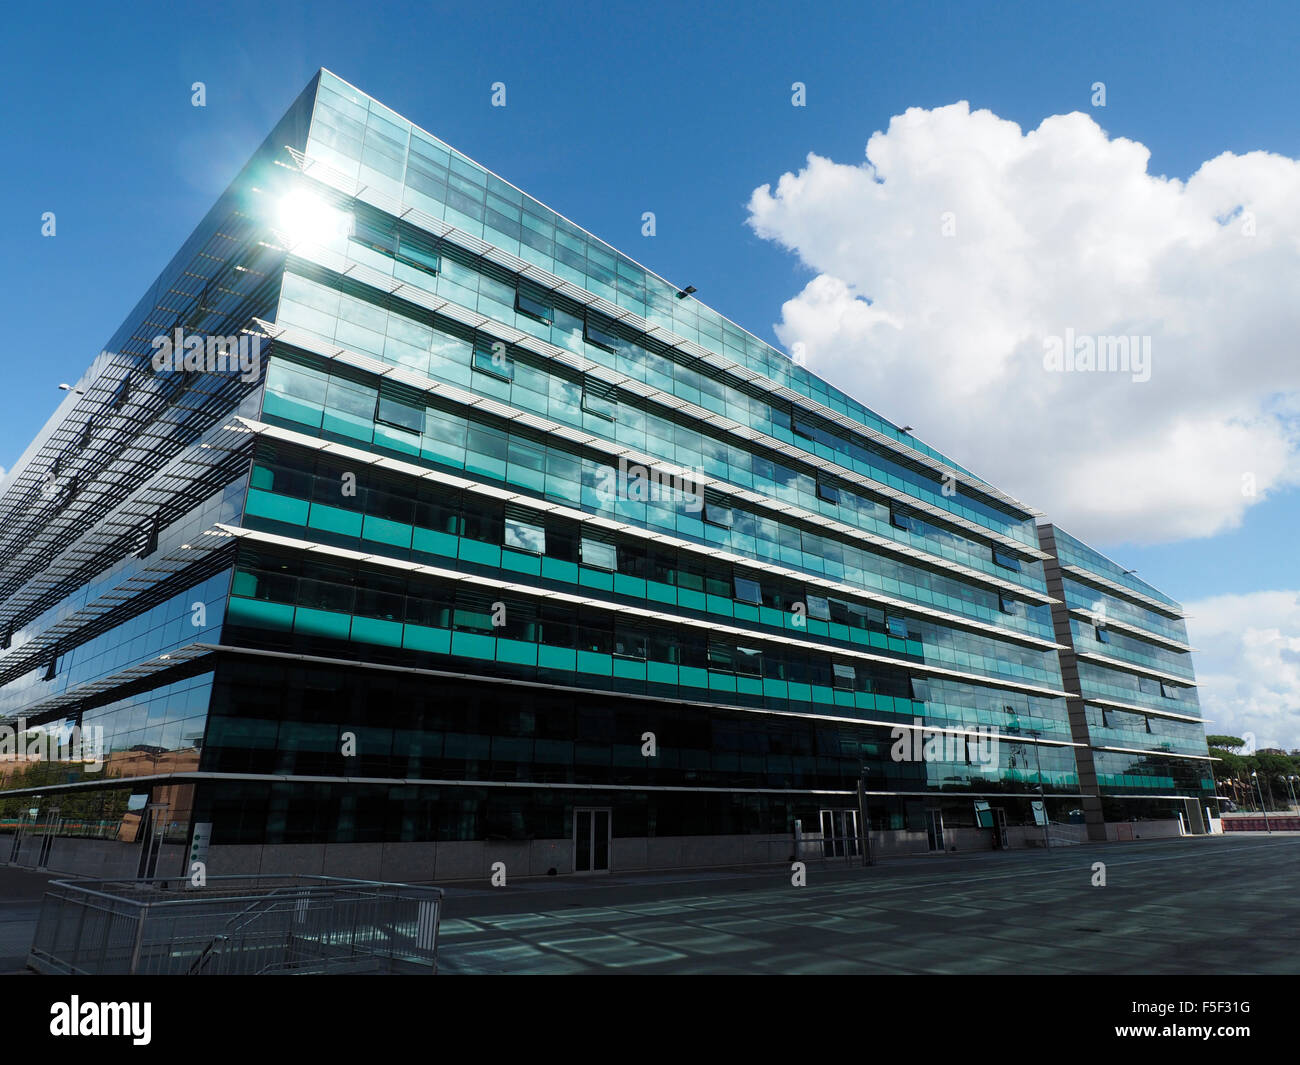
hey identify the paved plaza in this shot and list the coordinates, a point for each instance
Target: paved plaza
(1204, 905)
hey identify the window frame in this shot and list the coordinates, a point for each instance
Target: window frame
(362, 224)
(518, 523)
(595, 334)
(602, 545)
(751, 657)
(825, 611)
(543, 310)
(381, 398)
(482, 353)
(906, 520)
(1006, 560)
(800, 425)
(602, 406)
(710, 514)
(404, 241)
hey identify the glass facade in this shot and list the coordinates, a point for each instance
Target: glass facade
(497, 503)
(1127, 662)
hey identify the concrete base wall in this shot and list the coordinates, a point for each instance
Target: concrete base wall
(460, 861)
(95, 858)
(890, 844)
(469, 861)
(398, 862)
(1119, 831)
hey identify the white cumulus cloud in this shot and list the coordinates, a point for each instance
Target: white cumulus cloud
(946, 260)
(1248, 666)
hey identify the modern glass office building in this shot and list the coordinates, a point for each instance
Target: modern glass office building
(407, 524)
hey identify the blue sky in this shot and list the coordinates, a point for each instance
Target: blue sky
(613, 109)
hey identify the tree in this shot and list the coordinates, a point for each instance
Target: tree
(1274, 769)
(1231, 766)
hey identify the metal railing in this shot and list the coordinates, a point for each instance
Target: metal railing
(237, 924)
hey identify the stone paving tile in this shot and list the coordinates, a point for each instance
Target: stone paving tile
(602, 949)
(737, 925)
(801, 964)
(507, 956)
(686, 937)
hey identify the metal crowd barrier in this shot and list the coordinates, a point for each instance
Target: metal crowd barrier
(237, 924)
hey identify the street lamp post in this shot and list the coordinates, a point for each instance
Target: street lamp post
(1291, 787)
(1260, 789)
(864, 831)
(1047, 821)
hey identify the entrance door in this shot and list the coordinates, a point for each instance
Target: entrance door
(934, 825)
(839, 833)
(591, 835)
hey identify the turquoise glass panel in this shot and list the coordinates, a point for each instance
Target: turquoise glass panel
(278, 616)
(334, 520)
(591, 662)
(661, 593)
(425, 638)
(689, 599)
(661, 673)
(556, 658)
(692, 677)
(521, 562)
(516, 651)
(558, 570)
(276, 507)
(434, 543)
(377, 631)
(629, 668)
(312, 622)
(383, 531)
(295, 410)
(595, 578)
(473, 645)
(633, 586)
(483, 554)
